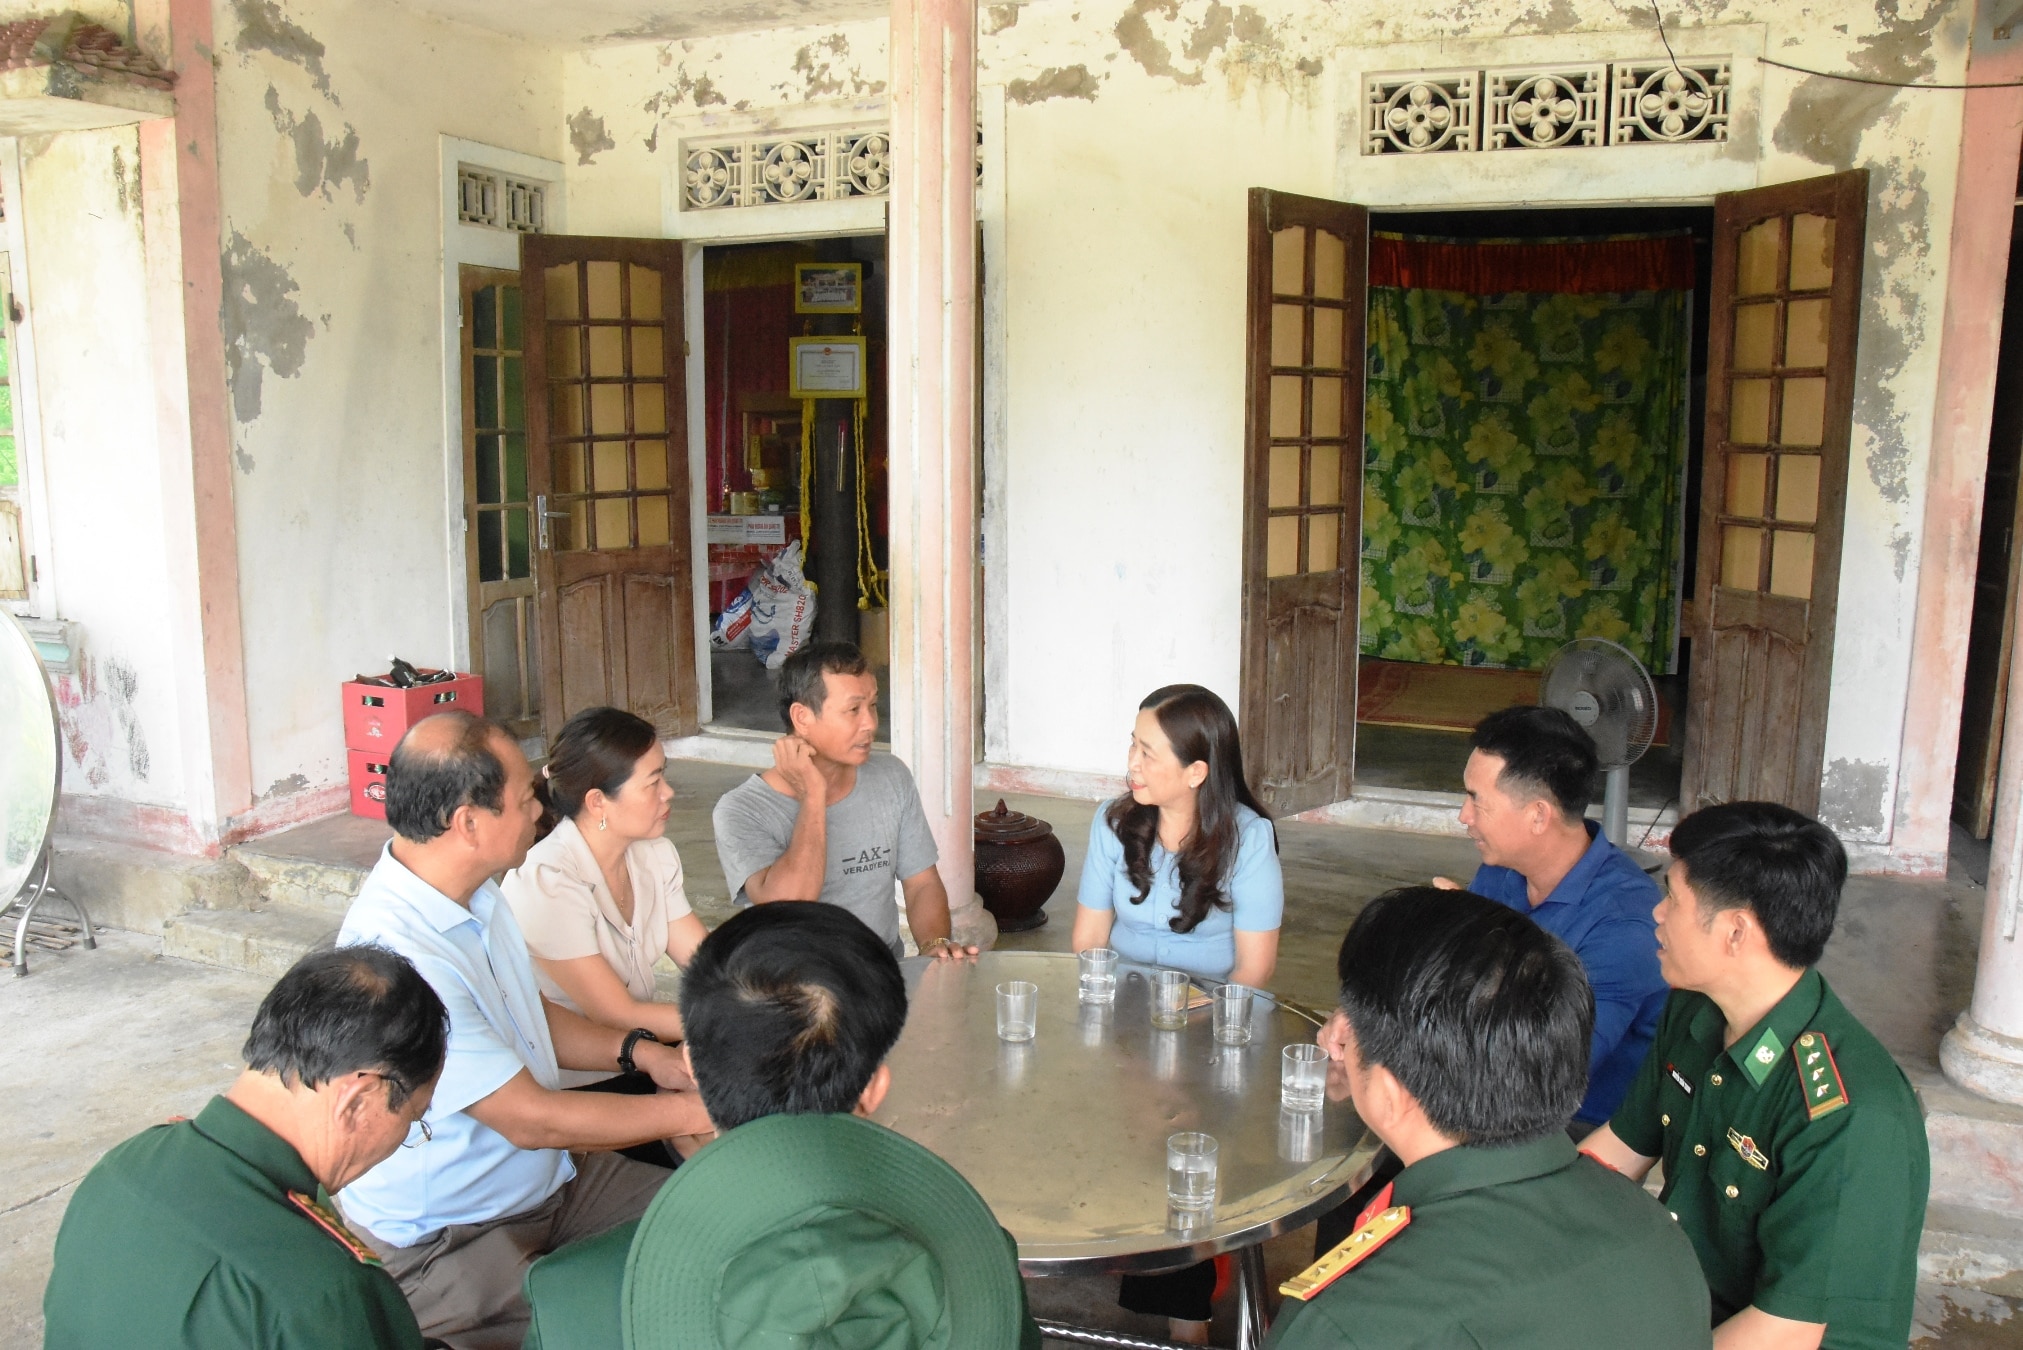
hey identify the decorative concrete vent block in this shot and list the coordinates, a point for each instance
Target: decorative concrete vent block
(1421, 113)
(1534, 109)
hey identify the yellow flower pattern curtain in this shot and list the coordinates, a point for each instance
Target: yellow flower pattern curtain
(1524, 439)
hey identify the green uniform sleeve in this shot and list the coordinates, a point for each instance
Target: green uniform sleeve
(1636, 1121)
(1843, 1228)
(228, 1309)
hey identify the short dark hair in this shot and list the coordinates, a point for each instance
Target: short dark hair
(597, 748)
(801, 675)
(344, 1009)
(789, 1008)
(1779, 864)
(1480, 1013)
(1545, 753)
(424, 788)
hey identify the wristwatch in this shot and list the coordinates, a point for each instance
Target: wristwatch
(632, 1038)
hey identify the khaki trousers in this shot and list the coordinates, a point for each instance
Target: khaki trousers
(464, 1282)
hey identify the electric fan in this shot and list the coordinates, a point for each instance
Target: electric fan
(1608, 691)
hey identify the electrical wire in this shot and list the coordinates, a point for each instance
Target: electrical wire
(1659, 15)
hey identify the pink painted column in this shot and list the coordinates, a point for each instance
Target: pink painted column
(932, 326)
(183, 212)
(1984, 1051)
(1992, 127)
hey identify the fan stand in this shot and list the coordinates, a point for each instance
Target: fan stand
(49, 934)
(1616, 806)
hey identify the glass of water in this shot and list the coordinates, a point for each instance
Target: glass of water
(1099, 975)
(1190, 1174)
(1232, 1015)
(1169, 999)
(1302, 1077)
(1018, 1004)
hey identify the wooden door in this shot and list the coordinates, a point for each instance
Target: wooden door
(499, 531)
(1992, 636)
(1786, 295)
(609, 465)
(1302, 496)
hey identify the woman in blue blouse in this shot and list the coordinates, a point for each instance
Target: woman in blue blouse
(1182, 871)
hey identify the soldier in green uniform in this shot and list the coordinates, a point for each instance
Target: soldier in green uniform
(1463, 1041)
(1794, 1149)
(219, 1232)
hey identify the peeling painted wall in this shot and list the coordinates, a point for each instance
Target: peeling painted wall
(329, 117)
(1134, 128)
(81, 213)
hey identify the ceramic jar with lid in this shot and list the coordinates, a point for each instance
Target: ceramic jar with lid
(1019, 863)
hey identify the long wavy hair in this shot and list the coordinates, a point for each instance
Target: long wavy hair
(1200, 728)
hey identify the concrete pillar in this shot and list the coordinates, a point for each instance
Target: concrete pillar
(183, 214)
(932, 343)
(1984, 1052)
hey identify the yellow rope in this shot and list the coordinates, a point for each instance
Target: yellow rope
(807, 480)
(870, 581)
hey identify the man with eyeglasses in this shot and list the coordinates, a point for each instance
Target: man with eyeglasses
(516, 1166)
(220, 1231)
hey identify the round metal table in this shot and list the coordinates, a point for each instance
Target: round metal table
(1065, 1135)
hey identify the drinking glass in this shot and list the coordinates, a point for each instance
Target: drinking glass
(1190, 1173)
(1099, 975)
(1232, 1015)
(1169, 999)
(1018, 1003)
(1299, 1135)
(1302, 1077)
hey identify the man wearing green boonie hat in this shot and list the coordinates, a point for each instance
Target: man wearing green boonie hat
(803, 1225)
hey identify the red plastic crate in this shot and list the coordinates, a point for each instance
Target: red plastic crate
(367, 772)
(376, 717)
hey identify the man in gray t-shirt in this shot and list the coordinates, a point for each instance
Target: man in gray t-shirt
(830, 821)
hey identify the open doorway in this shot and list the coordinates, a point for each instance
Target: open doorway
(1537, 386)
(795, 456)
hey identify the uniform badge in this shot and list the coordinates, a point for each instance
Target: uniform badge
(1746, 1146)
(1371, 1234)
(1762, 1056)
(1818, 1075)
(326, 1218)
(1680, 1079)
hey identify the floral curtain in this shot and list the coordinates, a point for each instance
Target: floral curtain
(1525, 433)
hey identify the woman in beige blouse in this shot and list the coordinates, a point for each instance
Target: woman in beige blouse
(600, 897)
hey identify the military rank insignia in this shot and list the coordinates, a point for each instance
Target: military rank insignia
(1746, 1147)
(326, 1218)
(1371, 1234)
(1820, 1076)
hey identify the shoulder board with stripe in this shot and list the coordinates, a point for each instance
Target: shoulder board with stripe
(1818, 1075)
(1355, 1249)
(326, 1218)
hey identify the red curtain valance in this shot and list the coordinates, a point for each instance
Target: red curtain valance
(1573, 267)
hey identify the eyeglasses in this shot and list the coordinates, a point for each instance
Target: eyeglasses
(418, 1124)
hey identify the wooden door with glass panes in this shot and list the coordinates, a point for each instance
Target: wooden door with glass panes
(499, 528)
(1302, 497)
(609, 470)
(1785, 313)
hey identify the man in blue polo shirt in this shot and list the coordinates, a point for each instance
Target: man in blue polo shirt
(505, 1166)
(1529, 777)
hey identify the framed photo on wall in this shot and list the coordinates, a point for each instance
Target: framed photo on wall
(829, 288)
(826, 367)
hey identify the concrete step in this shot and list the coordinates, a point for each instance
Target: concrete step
(317, 866)
(263, 941)
(1973, 1248)
(143, 890)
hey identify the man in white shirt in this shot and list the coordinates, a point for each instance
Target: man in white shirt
(505, 1166)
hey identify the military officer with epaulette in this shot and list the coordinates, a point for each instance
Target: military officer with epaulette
(1463, 1040)
(1794, 1149)
(219, 1232)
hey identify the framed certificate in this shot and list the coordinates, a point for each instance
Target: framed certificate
(828, 288)
(826, 367)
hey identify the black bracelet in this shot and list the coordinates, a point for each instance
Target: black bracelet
(633, 1038)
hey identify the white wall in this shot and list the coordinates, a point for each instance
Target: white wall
(330, 123)
(80, 213)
